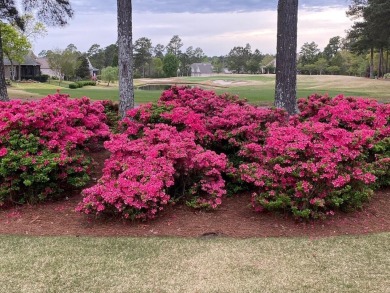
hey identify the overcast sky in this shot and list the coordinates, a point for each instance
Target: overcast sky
(215, 26)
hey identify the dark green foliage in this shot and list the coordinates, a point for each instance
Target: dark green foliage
(29, 177)
(381, 153)
(43, 78)
(80, 84)
(83, 69)
(171, 64)
(111, 110)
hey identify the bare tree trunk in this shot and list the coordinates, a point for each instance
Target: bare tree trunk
(12, 70)
(125, 45)
(380, 65)
(286, 56)
(372, 63)
(3, 86)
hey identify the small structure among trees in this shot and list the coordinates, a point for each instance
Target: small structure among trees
(201, 69)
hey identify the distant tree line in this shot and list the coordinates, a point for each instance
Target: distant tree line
(336, 58)
(370, 34)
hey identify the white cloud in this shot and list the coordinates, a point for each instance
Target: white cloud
(215, 33)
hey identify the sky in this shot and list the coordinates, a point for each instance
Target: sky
(215, 26)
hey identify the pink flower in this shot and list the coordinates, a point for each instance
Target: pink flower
(3, 152)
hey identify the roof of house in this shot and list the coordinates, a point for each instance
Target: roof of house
(202, 68)
(29, 59)
(91, 66)
(271, 63)
(44, 62)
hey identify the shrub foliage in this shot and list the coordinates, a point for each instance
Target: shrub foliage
(43, 144)
(197, 145)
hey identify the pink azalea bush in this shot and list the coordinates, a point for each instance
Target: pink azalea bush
(327, 158)
(310, 169)
(355, 114)
(143, 174)
(43, 143)
(196, 145)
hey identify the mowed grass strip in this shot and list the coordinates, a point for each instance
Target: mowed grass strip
(258, 89)
(81, 264)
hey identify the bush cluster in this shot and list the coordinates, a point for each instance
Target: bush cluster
(326, 158)
(82, 83)
(194, 144)
(42, 78)
(151, 165)
(43, 144)
(197, 146)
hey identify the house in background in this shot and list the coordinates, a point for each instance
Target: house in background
(93, 72)
(28, 69)
(201, 69)
(269, 67)
(45, 67)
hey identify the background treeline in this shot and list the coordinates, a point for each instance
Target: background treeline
(363, 52)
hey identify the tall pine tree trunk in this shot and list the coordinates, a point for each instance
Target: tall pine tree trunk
(380, 65)
(125, 45)
(286, 56)
(372, 62)
(3, 86)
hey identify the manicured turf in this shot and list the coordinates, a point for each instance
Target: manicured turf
(256, 88)
(79, 264)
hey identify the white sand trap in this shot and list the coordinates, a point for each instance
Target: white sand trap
(229, 82)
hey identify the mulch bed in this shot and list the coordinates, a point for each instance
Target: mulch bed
(234, 218)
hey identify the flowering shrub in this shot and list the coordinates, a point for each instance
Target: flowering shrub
(42, 143)
(355, 114)
(224, 119)
(111, 110)
(186, 144)
(381, 164)
(220, 123)
(310, 169)
(143, 174)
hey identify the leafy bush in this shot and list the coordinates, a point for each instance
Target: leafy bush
(161, 164)
(111, 110)
(381, 164)
(194, 141)
(42, 146)
(354, 114)
(80, 84)
(327, 158)
(42, 78)
(310, 169)
(74, 85)
(86, 83)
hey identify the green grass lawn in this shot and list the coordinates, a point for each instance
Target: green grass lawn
(81, 264)
(256, 88)
(93, 264)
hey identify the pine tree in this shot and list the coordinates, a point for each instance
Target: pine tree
(286, 56)
(125, 56)
(83, 68)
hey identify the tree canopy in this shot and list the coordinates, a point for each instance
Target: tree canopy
(15, 45)
(50, 12)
